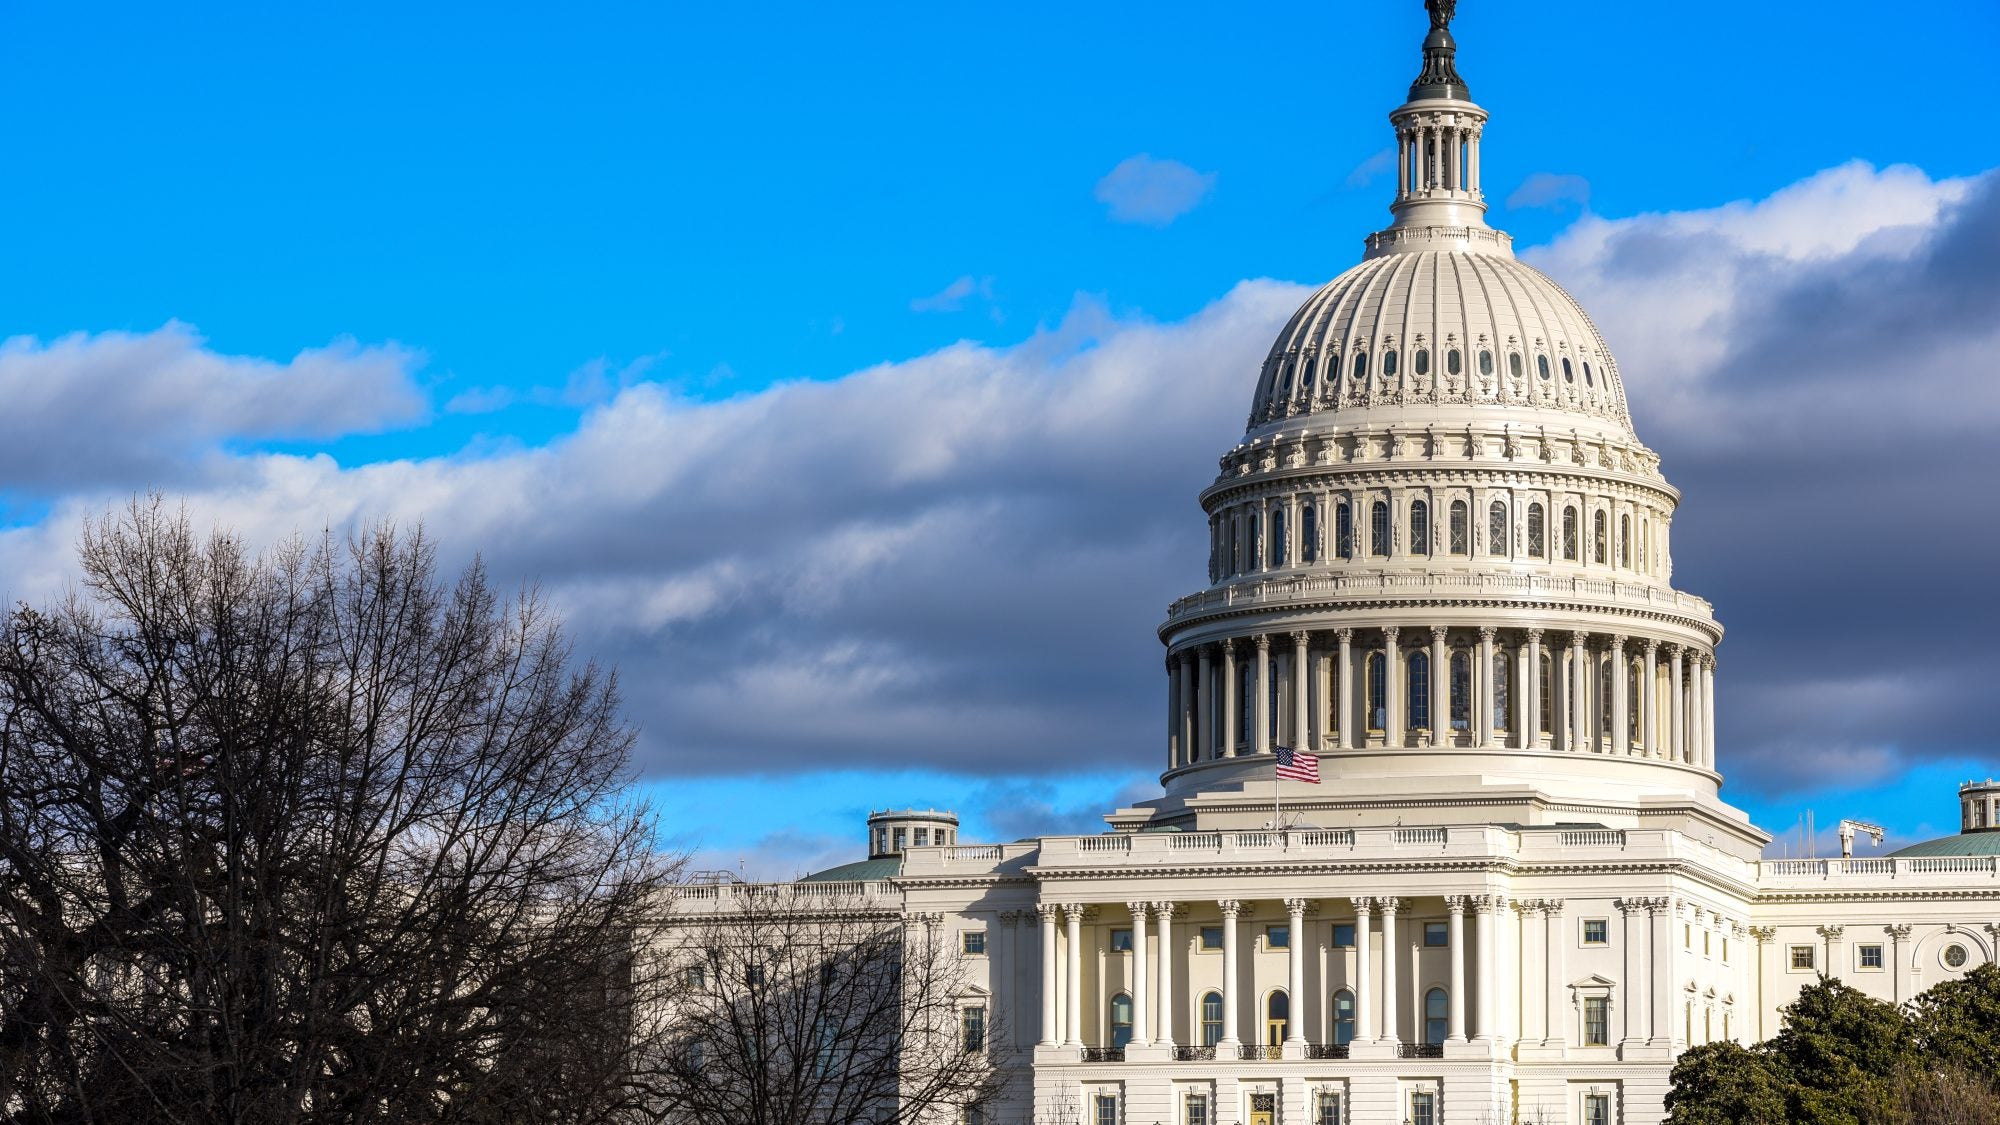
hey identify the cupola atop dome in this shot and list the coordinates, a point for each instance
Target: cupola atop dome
(1439, 78)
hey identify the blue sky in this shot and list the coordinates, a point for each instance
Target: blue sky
(454, 257)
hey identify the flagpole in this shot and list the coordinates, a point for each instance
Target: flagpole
(1277, 796)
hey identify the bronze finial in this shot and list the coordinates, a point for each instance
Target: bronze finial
(1441, 12)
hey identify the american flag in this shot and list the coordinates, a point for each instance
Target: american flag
(1297, 766)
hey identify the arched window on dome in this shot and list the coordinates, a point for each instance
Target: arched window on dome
(1211, 1018)
(1460, 531)
(1452, 365)
(1625, 541)
(1306, 378)
(1419, 683)
(1544, 698)
(1253, 550)
(1277, 553)
(1308, 533)
(1646, 546)
(1602, 692)
(1423, 361)
(1360, 373)
(1378, 528)
(1271, 712)
(1378, 691)
(1343, 530)
(1587, 380)
(1542, 366)
(1389, 362)
(1599, 539)
(1290, 368)
(1435, 1018)
(1343, 1018)
(1420, 527)
(1569, 533)
(1537, 541)
(1246, 704)
(1503, 690)
(1514, 364)
(1496, 528)
(1485, 362)
(1121, 1021)
(1461, 690)
(1332, 372)
(1569, 373)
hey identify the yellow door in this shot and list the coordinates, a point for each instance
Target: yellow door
(1260, 1117)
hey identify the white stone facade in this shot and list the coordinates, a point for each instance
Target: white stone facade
(1441, 562)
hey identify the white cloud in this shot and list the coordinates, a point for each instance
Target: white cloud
(1154, 192)
(952, 297)
(1550, 190)
(1369, 170)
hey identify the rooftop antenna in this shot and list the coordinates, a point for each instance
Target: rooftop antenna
(1847, 830)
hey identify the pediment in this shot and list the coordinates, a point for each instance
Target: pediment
(1594, 981)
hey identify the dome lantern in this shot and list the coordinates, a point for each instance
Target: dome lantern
(1438, 132)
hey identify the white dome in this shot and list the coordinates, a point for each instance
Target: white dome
(1442, 328)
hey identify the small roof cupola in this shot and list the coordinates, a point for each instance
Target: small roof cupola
(1979, 806)
(891, 832)
(1438, 133)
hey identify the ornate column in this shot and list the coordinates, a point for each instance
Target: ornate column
(1173, 710)
(1260, 707)
(1343, 689)
(1402, 164)
(1455, 953)
(1299, 740)
(1047, 913)
(1167, 1004)
(1554, 1027)
(1483, 1023)
(1440, 689)
(1391, 955)
(1506, 970)
(1295, 1027)
(1483, 699)
(1762, 935)
(1073, 976)
(1898, 934)
(1676, 709)
(1708, 710)
(1534, 969)
(1141, 970)
(1364, 972)
(1828, 935)
(1633, 1000)
(1392, 693)
(1660, 969)
(1229, 996)
(1579, 693)
(1649, 688)
(1621, 725)
(1232, 712)
(1531, 694)
(1204, 739)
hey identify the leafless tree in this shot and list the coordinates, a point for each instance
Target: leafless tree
(312, 836)
(811, 1005)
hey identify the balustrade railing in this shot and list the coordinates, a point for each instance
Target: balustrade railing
(1889, 868)
(1194, 1054)
(1326, 1050)
(1419, 1051)
(1593, 838)
(1103, 1054)
(1252, 1052)
(1296, 587)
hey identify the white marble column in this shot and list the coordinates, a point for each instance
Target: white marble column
(1167, 1005)
(1534, 967)
(1676, 708)
(1364, 972)
(1392, 694)
(1483, 699)
(1229, 994)
(1343, 689)
(1660, 970)
(1898, 934)
(1440, 689)
(1455, 953)
(1232, 712)
(1300, 714)
(1579, 693)
(1552, 920)
(1204, 739)
(1392, 955)
(1649, 690)
(1621, 726)
(1316, 732)
(1506, 970)
(1633, 1000)
(1047, 913)
(1531, 693)
(1708, 710)
(1142, 1034)
(1484, 928)
(1295, 1027)
(1260, 707)
(1073, 976)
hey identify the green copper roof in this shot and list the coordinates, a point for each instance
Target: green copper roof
(866, 870)
(1965, 843)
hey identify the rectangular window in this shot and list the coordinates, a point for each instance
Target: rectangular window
(1802, 957)
(1871, 956)
(1211, 937)
(1327, 1111)
(1597, 1109)
(1423, 1108)
(923, 838)
(1596, 1029)
(1343, 935)
(1437, 934)
(973, 943)
(1107, 1109)
(1197, 1109)
(1596, 931)
(1687, 936)
(1725, 949)
(973, 1022)
(1704, 943)
(1121, 941)
(1277, 937)
(900, 837)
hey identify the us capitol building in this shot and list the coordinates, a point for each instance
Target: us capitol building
(1440, 559)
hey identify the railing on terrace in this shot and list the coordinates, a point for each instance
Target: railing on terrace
(1194, 1054)
(722, 894)
(1593, 838)
(1891, 868)
(961, 852)
(1419, 1051)
(1251, 1052)
(1326, 1050)
(1422, 836)
(1103, 1054)
(1421, 584)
